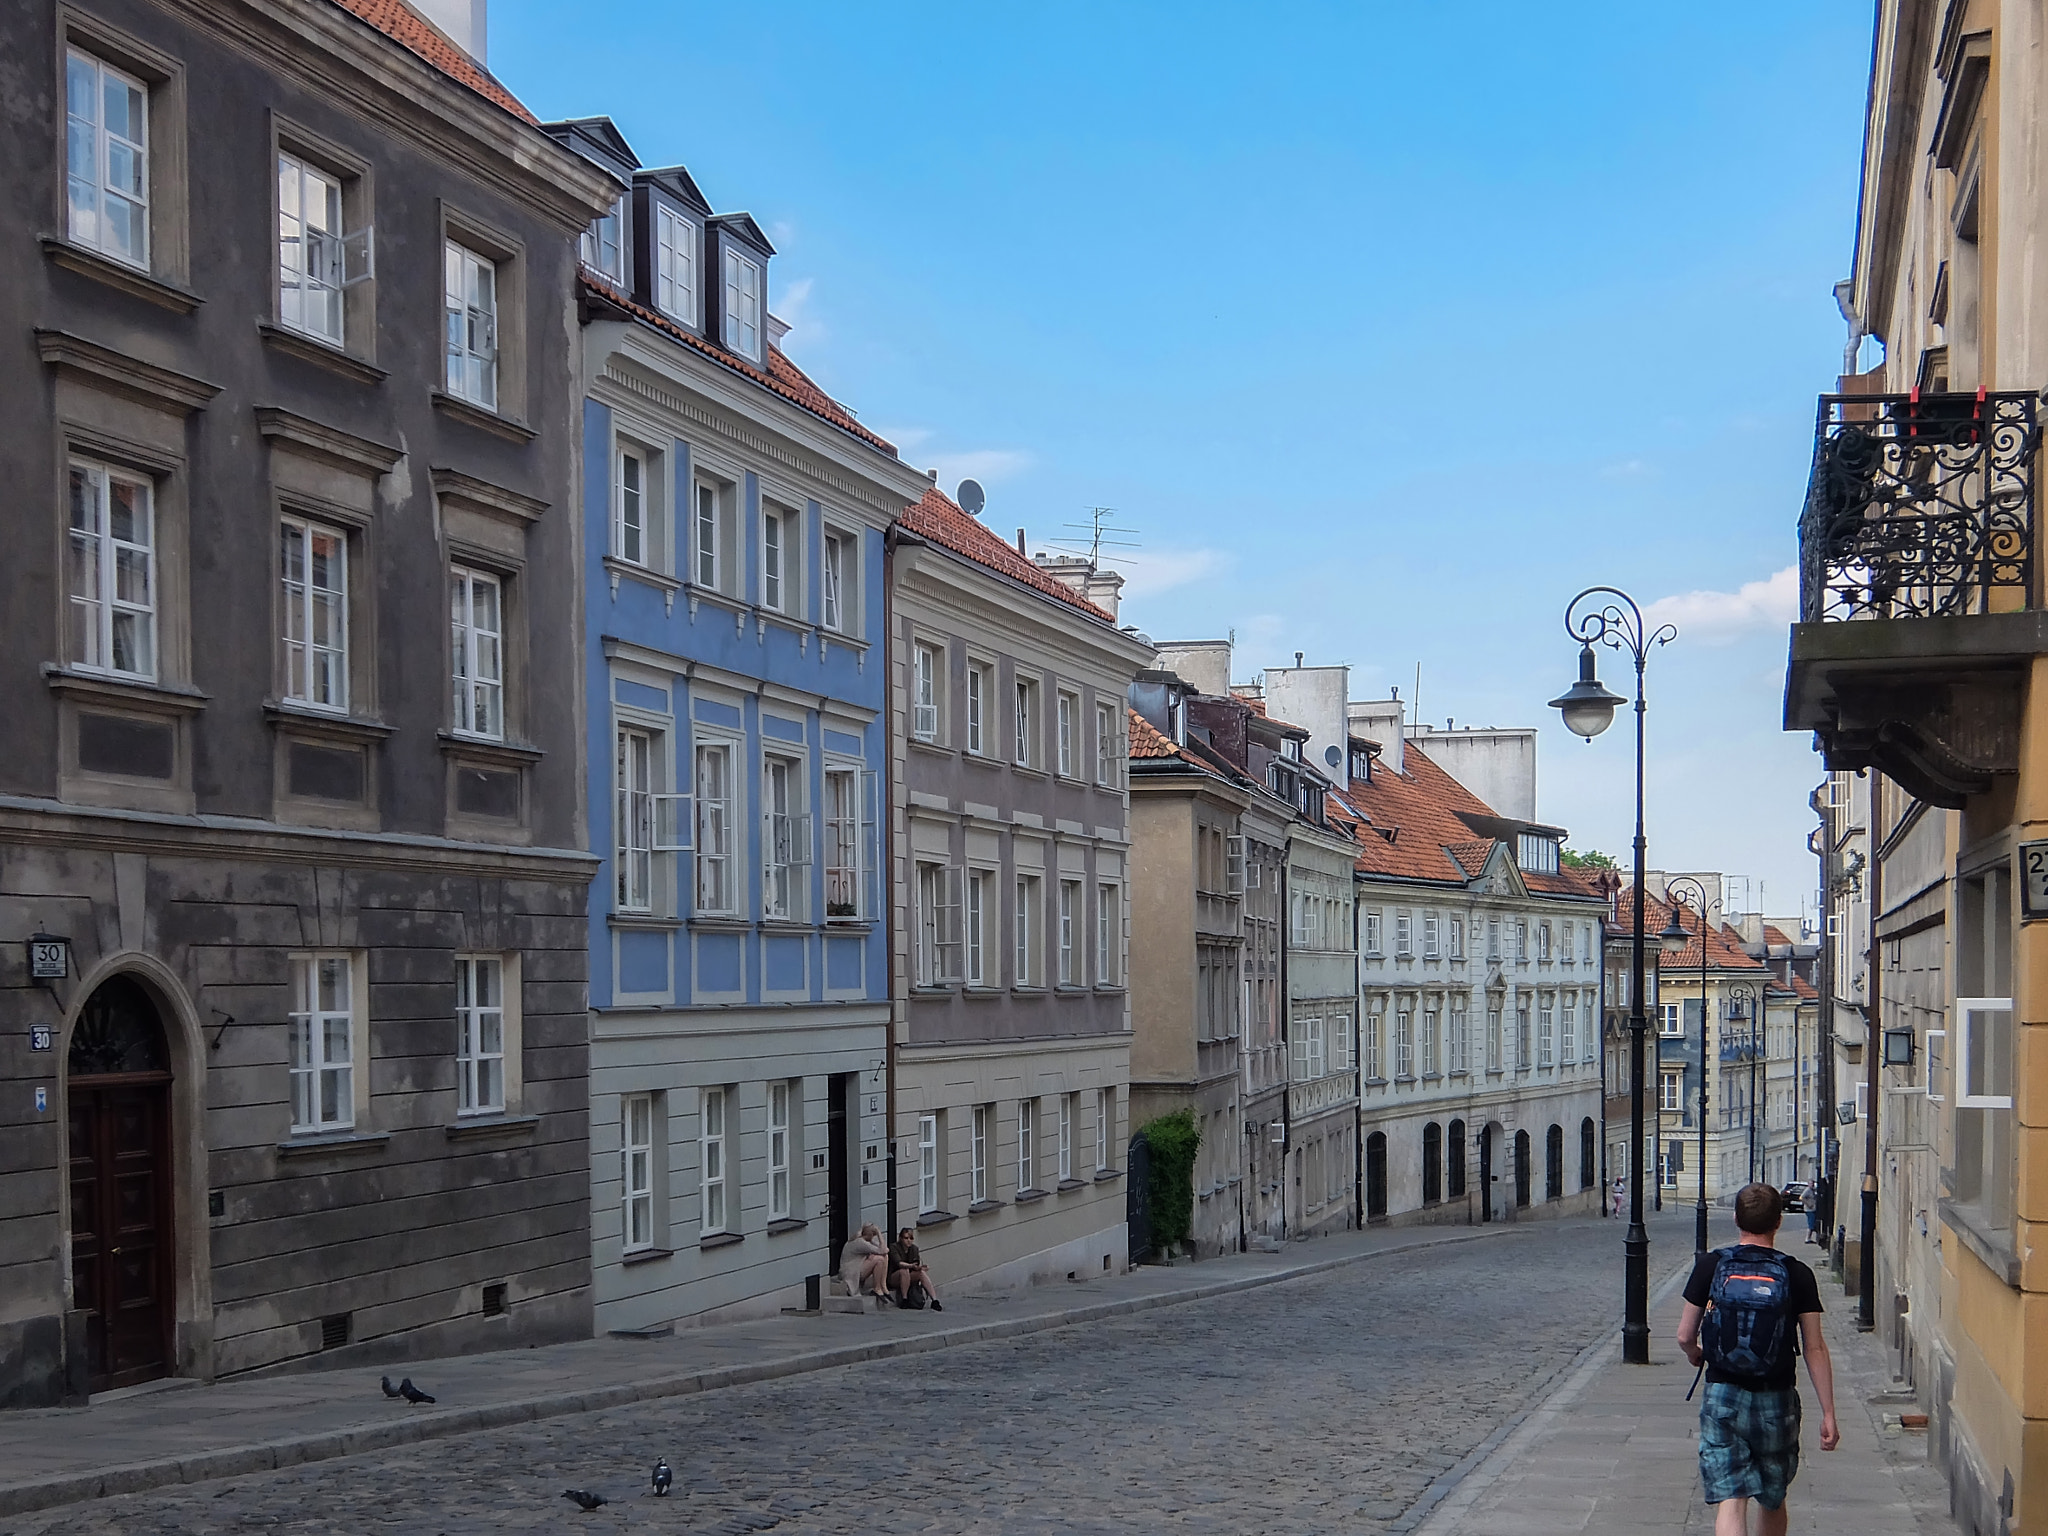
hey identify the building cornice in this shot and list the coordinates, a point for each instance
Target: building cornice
(1014, 619)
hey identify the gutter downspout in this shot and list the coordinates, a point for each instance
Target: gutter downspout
(890, 540)
(1866, 1280)
(1357, 1072)
(1286, 1007)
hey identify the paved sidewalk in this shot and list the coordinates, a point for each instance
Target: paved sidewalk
(1615, 1448)
(189, 1433)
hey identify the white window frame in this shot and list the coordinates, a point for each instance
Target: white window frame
(980, 915)
(1337, 1030)
(1070, 935)
(477, 654)
(107, 146)
(95, 637)
(1027, 1145)
(631, 498)
(1105, 744)
(776, 585)
(636, 1171)
(1546, 1035)
(927, 673)
(1432, 1038)
(1373, 932)
(316, 667)
(1026, 723)
(716, 816)
(602, 245)
(1404, 934)
(833, 559)
(1404, 1039)
(1671, 1093)
(847, 834)
(677, 241)
(1456, 946)
(980, 683)
(929, 1196)
(1934, 1066)
(313, 259)
(1066, 1137)
(745, 301)
(323, 1045)
(707, 551)
(713, 1208)
(978, 1150)
(470, 309)
(1375, 1025)
(1105, 1113)
(1429, 931)
(1568, 1030)
(938, 937)
(1968, 1085)
(785, 838)
(1671, 1019)
(1109, 932)
(1027, 921)
(1460, 1040)
(636, 775)
(779, 1171)
(481, 1039)
(1068, 713)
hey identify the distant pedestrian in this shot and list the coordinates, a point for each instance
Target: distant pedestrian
(1620, 1189)
(1750, 1311)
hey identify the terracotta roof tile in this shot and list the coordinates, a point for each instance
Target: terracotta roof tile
(1147, 741)
(1724, 948)
(410, 30)
(1773, 934)
(941, 520)
(1566, 882)
(781, 376)
(1419, 806)
(1473, 855)
(1805, 988)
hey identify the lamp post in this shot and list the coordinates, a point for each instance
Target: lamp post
(1674, 938)
(1609, 616)
(1746, 1002)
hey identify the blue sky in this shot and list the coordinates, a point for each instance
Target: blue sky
(1387, 328)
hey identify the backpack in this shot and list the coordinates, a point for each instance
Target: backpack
(1747, 1332)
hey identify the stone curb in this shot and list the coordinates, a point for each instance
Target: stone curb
(296, 1450)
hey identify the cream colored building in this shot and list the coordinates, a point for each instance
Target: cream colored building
(1011, 1051)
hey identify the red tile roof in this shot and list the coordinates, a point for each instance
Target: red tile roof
(1147, 741)
(1773, 934)
(412, 31)
(781, 375)
(1724, 944)
(939, 518)
(1806, 989)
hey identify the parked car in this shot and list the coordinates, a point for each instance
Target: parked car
(1795, 1194)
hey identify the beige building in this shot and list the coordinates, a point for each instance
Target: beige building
(1920, 641)
(1011, 1051)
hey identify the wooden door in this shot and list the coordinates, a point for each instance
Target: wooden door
(121, 1241)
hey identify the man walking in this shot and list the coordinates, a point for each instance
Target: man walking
(1750, 1311)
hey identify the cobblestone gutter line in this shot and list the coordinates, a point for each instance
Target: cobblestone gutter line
(1488, 1458)
(270, 1455)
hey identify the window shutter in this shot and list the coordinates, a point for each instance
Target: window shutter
(797, 840)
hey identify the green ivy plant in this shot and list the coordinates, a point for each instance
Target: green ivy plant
(1172, 1141)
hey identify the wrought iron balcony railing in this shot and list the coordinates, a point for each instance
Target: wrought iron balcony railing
(1919, 507)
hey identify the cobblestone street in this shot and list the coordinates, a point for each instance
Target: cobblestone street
(1324, 1404)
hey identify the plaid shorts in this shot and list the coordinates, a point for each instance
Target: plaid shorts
(1749, 1443)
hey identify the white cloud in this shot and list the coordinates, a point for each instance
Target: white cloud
(1151, 571)
(988, 465)
(792, 308)
(1719, 617)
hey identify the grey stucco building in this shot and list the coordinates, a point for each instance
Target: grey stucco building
(293, 790)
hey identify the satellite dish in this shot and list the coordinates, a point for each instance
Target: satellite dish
(971, 497)
(1332, 756)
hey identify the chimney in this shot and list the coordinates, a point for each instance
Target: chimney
(1103, 588)
(1020, 543)
(1384, 721)
(462, 22)
(1313, 698)
(1204, 663)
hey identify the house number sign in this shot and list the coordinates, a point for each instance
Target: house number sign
(39, 1037)
(2033, 880)
(49, 958)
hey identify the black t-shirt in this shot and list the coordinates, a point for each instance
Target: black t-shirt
(1805, 1298)
(903, 1256)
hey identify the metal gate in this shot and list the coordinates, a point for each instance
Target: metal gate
(1138, 1200)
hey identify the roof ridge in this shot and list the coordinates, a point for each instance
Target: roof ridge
(939, 518)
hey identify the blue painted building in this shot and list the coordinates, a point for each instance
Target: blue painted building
(734, 518)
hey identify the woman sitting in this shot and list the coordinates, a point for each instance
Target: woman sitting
(864, 1263)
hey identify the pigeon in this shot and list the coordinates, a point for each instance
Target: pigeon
(585, 1501)
(411, 1393)
(662, 1478)
(390, 1390)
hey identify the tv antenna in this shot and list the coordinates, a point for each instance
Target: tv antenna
(1098, 528)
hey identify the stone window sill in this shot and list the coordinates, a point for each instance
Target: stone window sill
(643, 920)
(1031, 1196)
(167, 698)
(782, 1224)
(1992, 1245)
(720, 1240)
(981, 1206)
(483, 418)
(1070, 1184)
(321, 354)
(1108, 1175)
(87, 262)
(482, 1126)
(935, 1218)
(646, 1256)
(346, 1141)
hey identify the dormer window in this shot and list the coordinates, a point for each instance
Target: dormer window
(603, 248)
(1292, 749)
(1537, 854)
(675, 265)
(743, 305)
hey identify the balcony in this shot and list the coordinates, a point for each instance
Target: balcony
(1919, 592)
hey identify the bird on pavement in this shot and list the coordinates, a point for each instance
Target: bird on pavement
(411, 1393)
(662, 1478)
(585, 1501)
(390, 1390)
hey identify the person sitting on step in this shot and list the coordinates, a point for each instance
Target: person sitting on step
(864, 1263)
(907, 1268)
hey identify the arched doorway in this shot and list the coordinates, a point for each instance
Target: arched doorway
(1432, 1163)
(1521, 1170)
(1488, 1139)
(118, 1094)
(1586, 1143)
(1454, 1162)
(1553, 1163)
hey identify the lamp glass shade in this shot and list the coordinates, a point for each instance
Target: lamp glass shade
(1674, 936)
(1587, 707)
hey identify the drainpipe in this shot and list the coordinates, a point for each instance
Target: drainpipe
(1286, 1039)
(1866, 1280)
(1358, 1073)
(1823, 1067)
(885, 834)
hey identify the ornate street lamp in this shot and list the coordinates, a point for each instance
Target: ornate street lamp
(1674, 938)
(1609, 616)
(1746, 1002)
